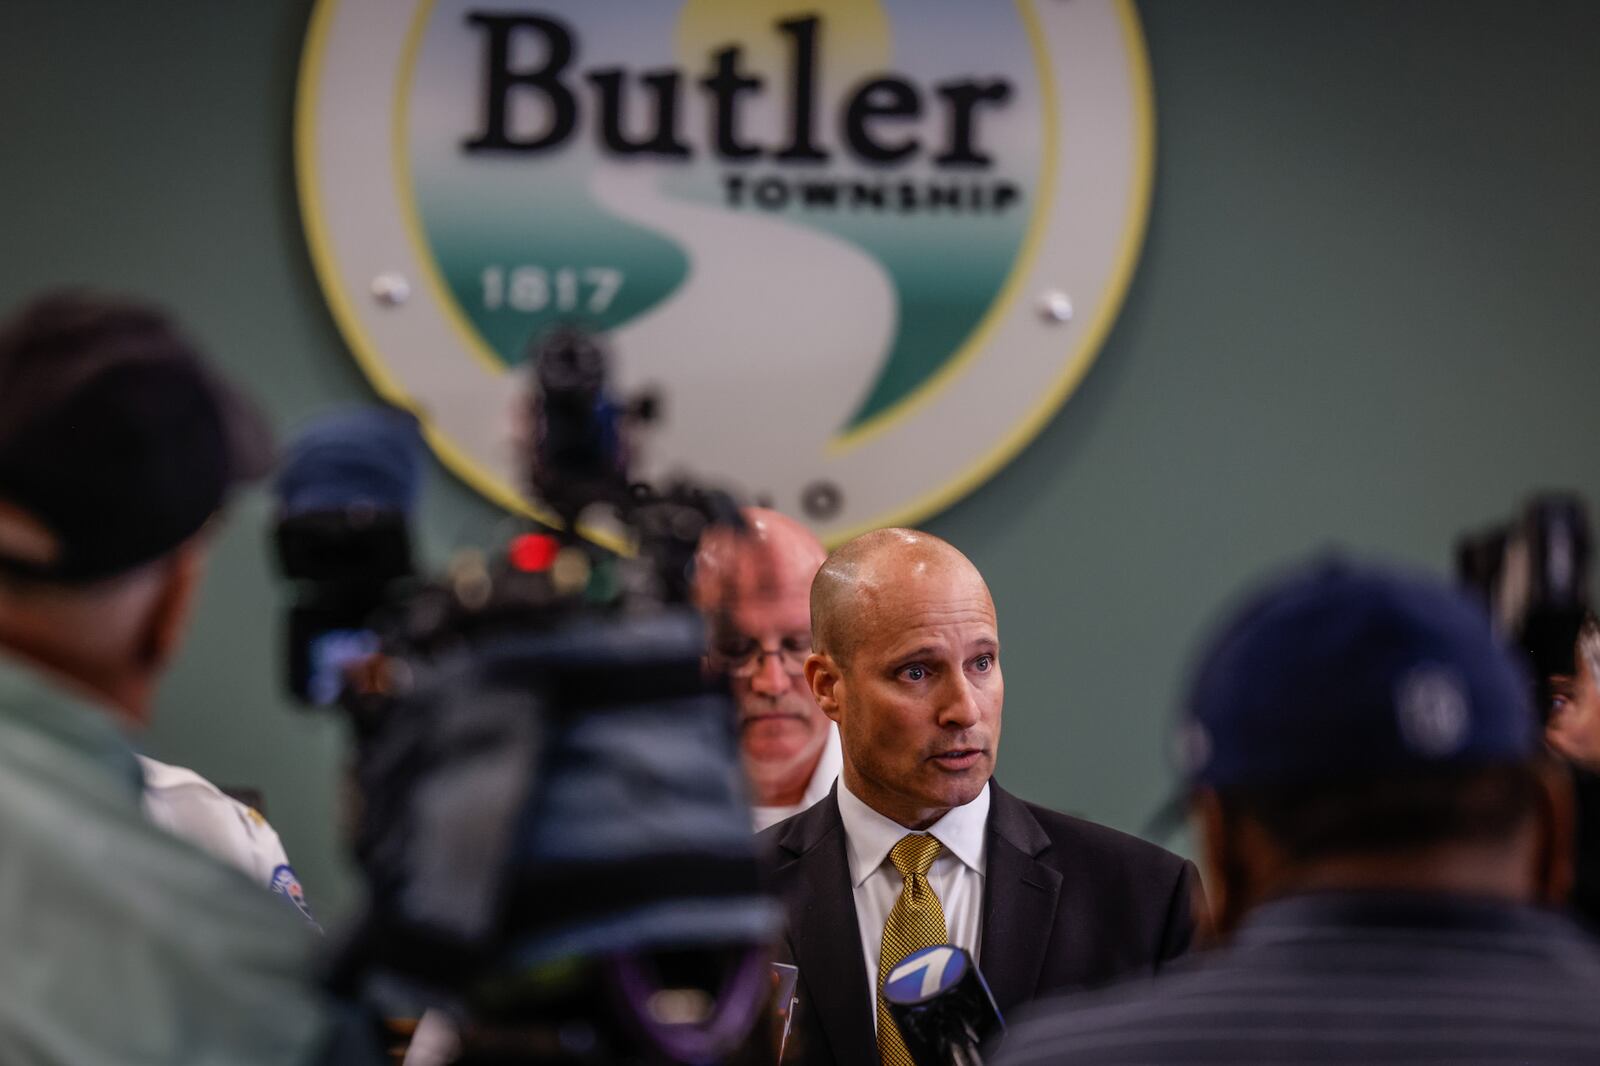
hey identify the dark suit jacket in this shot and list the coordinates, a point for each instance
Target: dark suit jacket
(1066, 904)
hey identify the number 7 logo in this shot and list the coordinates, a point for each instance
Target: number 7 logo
(930, 962)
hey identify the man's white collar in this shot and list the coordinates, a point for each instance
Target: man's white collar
(870, 835)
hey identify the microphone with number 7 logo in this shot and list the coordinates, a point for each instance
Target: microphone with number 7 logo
(942, 1006)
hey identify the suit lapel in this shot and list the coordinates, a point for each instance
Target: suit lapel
(824, 936)
(1019, 902)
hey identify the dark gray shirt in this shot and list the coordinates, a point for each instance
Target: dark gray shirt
(1370, 978)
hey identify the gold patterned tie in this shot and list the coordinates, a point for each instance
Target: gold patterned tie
(917, 921)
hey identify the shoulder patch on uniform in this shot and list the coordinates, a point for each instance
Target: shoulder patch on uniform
(286, 884)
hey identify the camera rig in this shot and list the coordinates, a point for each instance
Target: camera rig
(553, 827)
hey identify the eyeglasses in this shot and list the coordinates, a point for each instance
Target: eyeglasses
(744, 659)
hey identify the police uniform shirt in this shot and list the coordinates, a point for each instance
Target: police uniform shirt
(121, 943)
(193, 809)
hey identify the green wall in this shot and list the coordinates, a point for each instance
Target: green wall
(1365, 316)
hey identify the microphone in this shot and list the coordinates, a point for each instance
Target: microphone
(942, 1006)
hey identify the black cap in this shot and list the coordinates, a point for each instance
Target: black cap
(117, 444)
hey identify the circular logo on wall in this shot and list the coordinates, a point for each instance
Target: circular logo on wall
(863, 249)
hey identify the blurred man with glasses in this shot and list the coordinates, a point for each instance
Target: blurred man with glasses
(755, 592)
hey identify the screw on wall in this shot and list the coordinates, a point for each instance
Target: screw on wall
(821, 500)
(391, 290)
(1056, 306)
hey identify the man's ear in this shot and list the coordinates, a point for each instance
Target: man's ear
(1240, 865)
(168, 616)
(822, 677)
(1555, 849)
(1208, 823)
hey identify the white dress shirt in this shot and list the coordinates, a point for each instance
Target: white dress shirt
(956, 876)
(828, 764)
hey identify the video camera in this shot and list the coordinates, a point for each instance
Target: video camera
(1533, 574)
(553, 828)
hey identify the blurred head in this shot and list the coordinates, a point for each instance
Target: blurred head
(110, 639)
(754, 589)
(1573, 728)
(907, 662)
(1361, 728)
(117, 446)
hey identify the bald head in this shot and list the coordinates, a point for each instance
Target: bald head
(850, 585)
(772, 556)
(753, 588)
(907, 662)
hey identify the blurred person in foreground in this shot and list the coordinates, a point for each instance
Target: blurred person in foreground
(755, 590)
(122, 943)
(1384, 845)
(917, 846)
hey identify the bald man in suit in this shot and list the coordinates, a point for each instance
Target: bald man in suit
(915, 843)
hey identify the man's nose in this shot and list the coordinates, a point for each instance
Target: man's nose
(961, 709)
(770, 679)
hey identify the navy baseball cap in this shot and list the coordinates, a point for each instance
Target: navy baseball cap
(117, 443)
(358, 456)
(1342, 670)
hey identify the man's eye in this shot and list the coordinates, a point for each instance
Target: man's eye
(797, 643)
(736, 649)
(983, 663)
(914, 672)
